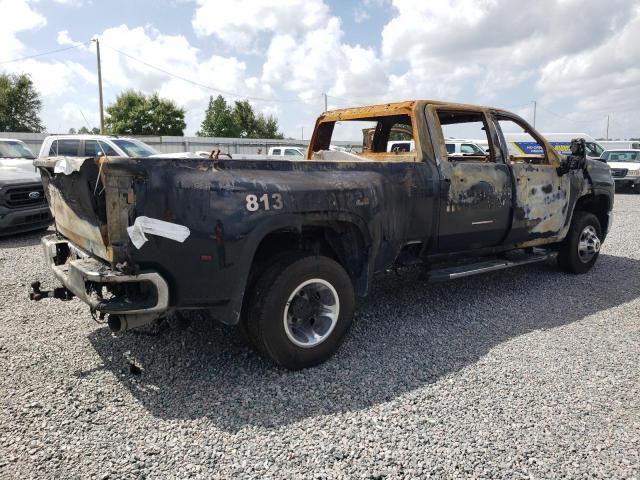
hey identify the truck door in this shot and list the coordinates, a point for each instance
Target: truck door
(541, 203)
(476, 188)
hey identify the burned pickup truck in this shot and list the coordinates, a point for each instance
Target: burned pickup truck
(283, 247)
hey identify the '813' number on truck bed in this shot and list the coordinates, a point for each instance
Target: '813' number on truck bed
(266, 201)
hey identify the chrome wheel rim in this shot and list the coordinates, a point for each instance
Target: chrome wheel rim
(589, 244)
(311, 313)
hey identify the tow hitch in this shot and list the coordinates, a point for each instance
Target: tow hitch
(61, 293)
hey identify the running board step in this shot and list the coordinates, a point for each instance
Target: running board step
(459, 271)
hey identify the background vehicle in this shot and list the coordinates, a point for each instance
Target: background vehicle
(522, 143)
(96, 145)
(625, 167)
(455, 147)
(286, 151)
(620, 144)
(482, 143)
(283, 248)
(459, 148)
(23, 206)
(16, 154)
(401, 146)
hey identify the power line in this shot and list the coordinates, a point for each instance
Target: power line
(202, 85)
(50, 52)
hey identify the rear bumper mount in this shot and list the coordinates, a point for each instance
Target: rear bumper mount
(103, 288)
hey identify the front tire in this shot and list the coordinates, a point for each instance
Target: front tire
(581, 248)
(299, 311)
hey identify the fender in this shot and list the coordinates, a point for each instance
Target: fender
(231, 311)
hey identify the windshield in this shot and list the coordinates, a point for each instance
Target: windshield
(15, 149)
(594, 150)
(621, 156)
(135, 148)
(293, 151)
(471, 148)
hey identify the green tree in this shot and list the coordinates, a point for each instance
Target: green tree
(217, 120)
(244, 118)
(267, 127)
(84, 130)
(20, 104)
(241, 121)
(134, 113)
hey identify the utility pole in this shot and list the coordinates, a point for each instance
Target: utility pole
(100, 86)
(301, 133)
(535, 108)
(325, 102)
(607, 127)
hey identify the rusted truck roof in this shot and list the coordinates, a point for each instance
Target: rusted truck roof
(392, 108)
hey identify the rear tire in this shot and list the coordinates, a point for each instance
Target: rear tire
(300, 310)
(580, 249)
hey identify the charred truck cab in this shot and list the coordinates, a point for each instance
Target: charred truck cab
(283, 247)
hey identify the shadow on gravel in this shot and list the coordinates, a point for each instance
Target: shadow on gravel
(405, 336)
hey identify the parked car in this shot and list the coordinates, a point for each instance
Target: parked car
(284, 150)
(460, 148)
(283, 248)
(97, 145)
(482, 143)
(23, 204)
(625, 167)
(401, 146)
(455, 147)
(620, 144)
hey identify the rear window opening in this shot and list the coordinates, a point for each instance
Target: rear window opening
(389, 138)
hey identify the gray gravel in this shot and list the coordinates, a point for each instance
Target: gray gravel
(526, 373)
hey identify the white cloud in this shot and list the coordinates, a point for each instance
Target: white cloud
(71, 3)
(579, 58)
(238, 23)
(525, 33)
(601, 80)
(64, 38)
(176, 59)
(54, 79)
(51, 78)
(17, 17)
(476, 50)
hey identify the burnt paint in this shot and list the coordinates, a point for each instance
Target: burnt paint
(389, 204)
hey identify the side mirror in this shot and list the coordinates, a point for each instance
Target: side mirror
(578, 147)
(578, 158)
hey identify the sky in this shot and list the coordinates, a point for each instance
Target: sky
(579, 60)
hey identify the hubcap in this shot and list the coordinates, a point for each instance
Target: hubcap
(589, 244)
(311, 313)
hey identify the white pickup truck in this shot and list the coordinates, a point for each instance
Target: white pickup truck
(284, 150)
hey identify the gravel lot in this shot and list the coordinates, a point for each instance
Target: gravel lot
(526, 373)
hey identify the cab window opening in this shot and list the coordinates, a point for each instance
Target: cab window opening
(389, 138)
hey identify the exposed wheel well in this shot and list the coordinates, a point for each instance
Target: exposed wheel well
(341, 241)
(599, 205)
